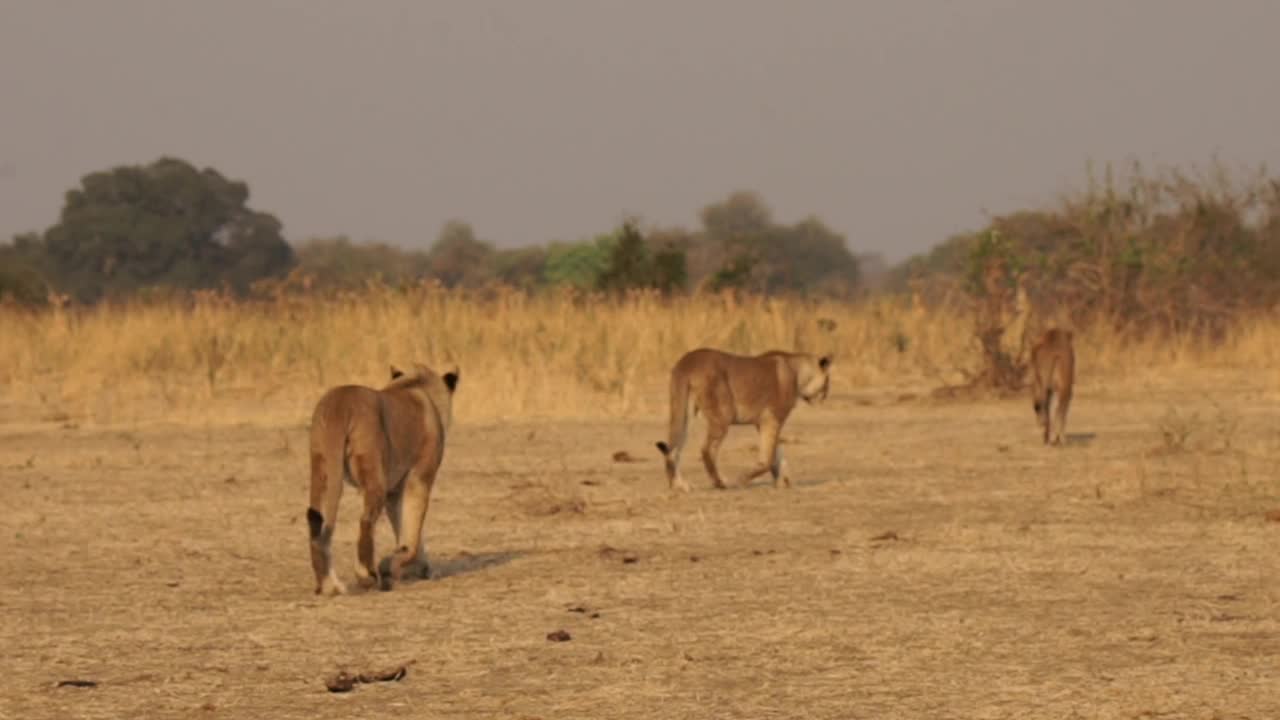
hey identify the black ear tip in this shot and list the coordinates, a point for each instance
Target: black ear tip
(662, 447)
(395, 373)
(451, 380)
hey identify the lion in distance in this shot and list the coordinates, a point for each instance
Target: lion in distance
(1053, 370)
(730, 389)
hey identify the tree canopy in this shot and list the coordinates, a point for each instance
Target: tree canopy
(163, 224)
(170, 224)
(760, 255)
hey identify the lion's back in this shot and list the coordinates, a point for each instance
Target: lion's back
(1054, 355)
(758, 382)
(341, 408)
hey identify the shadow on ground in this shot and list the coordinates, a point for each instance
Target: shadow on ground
(1078, 439)
(466, 562)
(767, 484)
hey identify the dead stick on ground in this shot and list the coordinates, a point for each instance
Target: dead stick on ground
(345, 681)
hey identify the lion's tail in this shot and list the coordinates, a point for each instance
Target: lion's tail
(328, 453)
(679, 423)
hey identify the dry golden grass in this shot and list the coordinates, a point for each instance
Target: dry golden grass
(934, 560)
(550, 356)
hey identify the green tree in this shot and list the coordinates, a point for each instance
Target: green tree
(579, 264)
(338, 262)
(741, 216)
(633, 265)
(520, 267)
(760, 255)
(629, 263)
(21, 280)
(458, 259)
(670, 268)
(809, 257)
(163, 224)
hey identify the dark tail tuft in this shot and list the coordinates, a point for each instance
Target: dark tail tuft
(663, 447)
(315, 521)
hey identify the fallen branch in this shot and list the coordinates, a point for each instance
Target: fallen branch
(345, 681)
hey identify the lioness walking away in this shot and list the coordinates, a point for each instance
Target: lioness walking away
(388, 443)
(1053, 370)
(740, 390)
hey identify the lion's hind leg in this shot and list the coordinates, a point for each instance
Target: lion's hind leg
(368, 473)
(395, 508)
(322, 554)
(1060, 414)
(716, 402)
(414, 500)
(717, 429)
(1045, 414)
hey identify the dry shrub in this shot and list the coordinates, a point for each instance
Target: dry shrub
(550, 355)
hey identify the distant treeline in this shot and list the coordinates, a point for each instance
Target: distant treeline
(170, 226)
(1147, 250)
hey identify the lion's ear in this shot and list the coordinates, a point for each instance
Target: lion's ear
(396, 374)
(451, 380)
(824, 362)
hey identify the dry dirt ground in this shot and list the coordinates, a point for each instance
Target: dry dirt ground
(934, 561)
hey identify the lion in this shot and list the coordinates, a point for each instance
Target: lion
(389, 444)
(732, 389)
(1053, 370)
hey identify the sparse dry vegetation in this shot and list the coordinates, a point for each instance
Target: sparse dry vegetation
(551, 355)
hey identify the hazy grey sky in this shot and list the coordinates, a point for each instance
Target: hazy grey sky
(895, 121)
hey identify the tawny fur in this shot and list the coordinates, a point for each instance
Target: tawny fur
(1053, 372)
(728, 390)
(388, 444)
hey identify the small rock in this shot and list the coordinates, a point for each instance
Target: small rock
(559, 636)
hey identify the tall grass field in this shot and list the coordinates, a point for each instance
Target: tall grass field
(545, 356)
